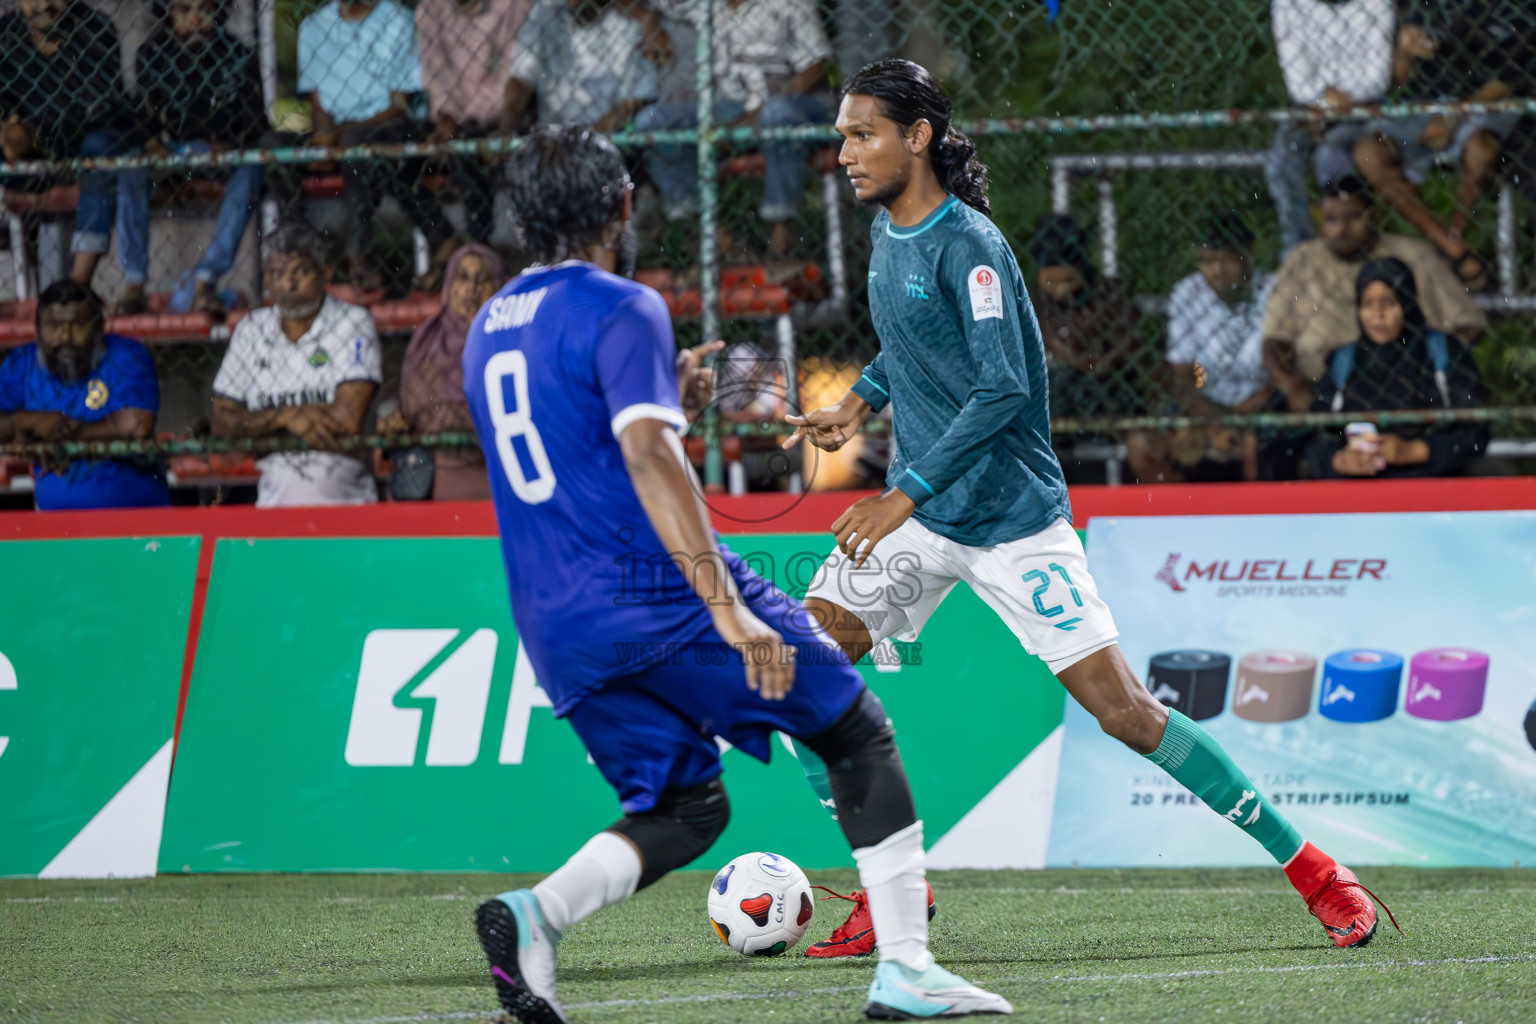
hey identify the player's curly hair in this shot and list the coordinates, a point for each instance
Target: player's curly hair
(567, 184)
(908, 94)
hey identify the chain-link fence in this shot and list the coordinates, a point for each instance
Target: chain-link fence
(1159, 172)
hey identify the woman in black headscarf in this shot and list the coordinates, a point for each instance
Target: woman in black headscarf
(1397, 363)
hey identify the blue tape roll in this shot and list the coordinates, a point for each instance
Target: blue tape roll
(1360, 685)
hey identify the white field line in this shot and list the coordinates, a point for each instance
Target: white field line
(729, 997)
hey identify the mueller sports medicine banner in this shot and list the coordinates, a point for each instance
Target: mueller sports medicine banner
(1374, 675)
(361, 704)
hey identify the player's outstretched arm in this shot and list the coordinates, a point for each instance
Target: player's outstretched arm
(831, 426)
(660, 472)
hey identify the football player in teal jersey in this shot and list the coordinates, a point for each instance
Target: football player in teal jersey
(975, 492)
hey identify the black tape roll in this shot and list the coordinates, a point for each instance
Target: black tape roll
(1194, 682)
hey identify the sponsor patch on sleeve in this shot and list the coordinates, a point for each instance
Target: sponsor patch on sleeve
(986, 293)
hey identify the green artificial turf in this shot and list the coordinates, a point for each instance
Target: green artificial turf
(1062, 945)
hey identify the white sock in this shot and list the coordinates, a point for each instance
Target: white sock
(892, 875)
(603, 872)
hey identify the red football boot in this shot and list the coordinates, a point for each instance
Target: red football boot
(1335, 897)
(855, 936)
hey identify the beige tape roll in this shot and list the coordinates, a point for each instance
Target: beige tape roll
(1274, 686)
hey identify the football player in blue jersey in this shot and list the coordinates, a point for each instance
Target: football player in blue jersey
(975, 491)
(650, 637)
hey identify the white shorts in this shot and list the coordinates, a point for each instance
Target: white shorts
(1039, 586)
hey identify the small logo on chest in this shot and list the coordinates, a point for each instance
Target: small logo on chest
(319, 358)
(917, 286)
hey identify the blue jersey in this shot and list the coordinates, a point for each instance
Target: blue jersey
(123, 378)
(555, 367)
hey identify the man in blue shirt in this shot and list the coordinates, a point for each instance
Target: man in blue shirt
(976, 493)
(77, 383)
(649, 635)
(358, 64)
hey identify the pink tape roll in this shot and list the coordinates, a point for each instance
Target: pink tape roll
(1446, 684)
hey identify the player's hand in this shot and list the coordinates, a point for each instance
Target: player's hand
(695, 381)
(769, 661)
(869, 521)
(830, 427)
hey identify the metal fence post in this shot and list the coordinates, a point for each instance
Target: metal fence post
(709, 211)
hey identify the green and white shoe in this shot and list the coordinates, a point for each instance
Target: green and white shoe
(521, 949)
(900, 993)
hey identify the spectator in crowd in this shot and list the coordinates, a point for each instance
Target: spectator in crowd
(78, 383)
(1215, 363)
(466, 51)
(1482, 53)
(358, 60)
(61, 96)
(1397, 362)
(432, 379)
(1087, 321)
(770, 63)
(308, 365)
(584, 62)
(202, 90)
(1334, 54)
(1311, 308)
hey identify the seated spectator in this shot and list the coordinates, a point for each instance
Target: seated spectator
(583, 61)
(432, 379)
(358, 60)
(308, 365)
(770, 61)
(466, 50)
(202, 90)
(1311, 309)
(1215, 361)
(1087, 321)
(1398, 362)
(1481, 55)
(61, 96)
(1334, 54)
(77, 383)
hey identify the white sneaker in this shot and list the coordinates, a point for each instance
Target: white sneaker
(521, 949)
(900, 993)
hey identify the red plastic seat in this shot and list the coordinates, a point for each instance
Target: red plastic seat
(323, 186)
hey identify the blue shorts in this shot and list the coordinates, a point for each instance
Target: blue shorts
(655, 730)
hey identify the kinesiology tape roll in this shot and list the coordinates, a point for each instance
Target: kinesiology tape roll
(1274, 686)
(1446, 683)
(1360, 685)
(1194, 682)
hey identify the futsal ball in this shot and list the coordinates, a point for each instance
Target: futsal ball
(760, 904)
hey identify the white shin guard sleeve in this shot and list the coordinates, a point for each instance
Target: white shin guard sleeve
(893, 877)
(603, 872)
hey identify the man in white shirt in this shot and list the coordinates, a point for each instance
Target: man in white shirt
(1215, 362)
(308, 366)
(1334, 54)
(770, 59)
(585, 63)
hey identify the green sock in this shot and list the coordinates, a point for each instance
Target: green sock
(816, 774)
(1198, 762)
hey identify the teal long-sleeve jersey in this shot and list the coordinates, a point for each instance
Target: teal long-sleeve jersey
(963, 367)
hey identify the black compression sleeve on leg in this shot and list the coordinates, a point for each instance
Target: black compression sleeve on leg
(684, 823)
(874, 800)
